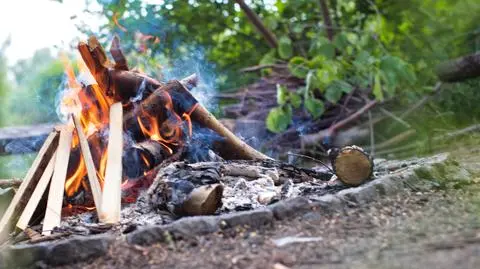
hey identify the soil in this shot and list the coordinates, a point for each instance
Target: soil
(414, 229)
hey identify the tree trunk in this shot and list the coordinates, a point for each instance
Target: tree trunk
(459, 69)
(327, 20)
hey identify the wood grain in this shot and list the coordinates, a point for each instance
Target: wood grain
(28, 185)
(57, 185)
(111, 199)
(36, 195)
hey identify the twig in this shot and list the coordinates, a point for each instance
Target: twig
(423, 101)
(313, 159)
(314, 138)
(262, 66)
(9, 183)
(372, 135)
(393, 116)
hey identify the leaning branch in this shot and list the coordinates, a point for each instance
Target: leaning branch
(257, 22)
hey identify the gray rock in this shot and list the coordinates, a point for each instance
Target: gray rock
(78, 249)
(290, 208)
(148, 235)
(254, 218)
(193, 226)
(23, 256)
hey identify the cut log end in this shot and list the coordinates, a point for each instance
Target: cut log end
(204, 200)
(352, 165)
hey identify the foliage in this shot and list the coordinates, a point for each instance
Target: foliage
(378, 48)
(38, 82)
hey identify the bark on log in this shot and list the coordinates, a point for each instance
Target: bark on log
(118, 83)
(459, 69)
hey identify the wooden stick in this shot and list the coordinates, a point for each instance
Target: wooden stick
(111, 200)
(28, 185)
(36, 195)
(91, 171)
(57, 185)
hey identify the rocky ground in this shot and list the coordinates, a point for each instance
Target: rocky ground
(413, 229)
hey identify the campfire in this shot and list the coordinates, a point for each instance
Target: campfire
(122, 127)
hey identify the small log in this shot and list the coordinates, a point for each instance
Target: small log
(37, 195)
(28, 185)
(459, 69)
(352, 165)
(117, 54)
(111, 199)
(57, 185)
(87, 157)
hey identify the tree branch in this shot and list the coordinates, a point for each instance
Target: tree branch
(257, 22)
(327, 20)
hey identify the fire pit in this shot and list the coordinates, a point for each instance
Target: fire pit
(152, 147)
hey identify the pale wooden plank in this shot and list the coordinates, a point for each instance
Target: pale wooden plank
(111, 199)
(36, 195)
(57, 185)
(91, 171)
(28, 185)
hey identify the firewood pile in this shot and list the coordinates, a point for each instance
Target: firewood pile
(150, 146)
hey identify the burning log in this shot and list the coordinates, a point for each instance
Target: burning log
(143, 156)
(57, 185)
(351, 165)
(28, 185)
(111, 199)
(115, 80)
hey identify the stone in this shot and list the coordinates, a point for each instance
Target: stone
(78, 249)
(148, 236)
(23, 255)
(194, 226)
(254, 218)
(290, 208)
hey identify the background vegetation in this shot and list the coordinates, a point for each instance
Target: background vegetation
(388, 47)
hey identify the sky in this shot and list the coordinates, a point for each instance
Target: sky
(36, 24)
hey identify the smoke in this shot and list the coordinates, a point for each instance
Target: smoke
(193, 61)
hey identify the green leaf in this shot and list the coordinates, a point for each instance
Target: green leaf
(377, 88)
(268, 58)
(326, 75)
(315, 107)
(282, 94)
(342, 86)
(279, 118)
(298, 66)
(285, 49)
(333, 94)
(322, 46)
(341, 41)
(295, 100)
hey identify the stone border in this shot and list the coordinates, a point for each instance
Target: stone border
(75, 249)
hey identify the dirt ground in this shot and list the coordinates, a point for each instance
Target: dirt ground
(438, 228)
